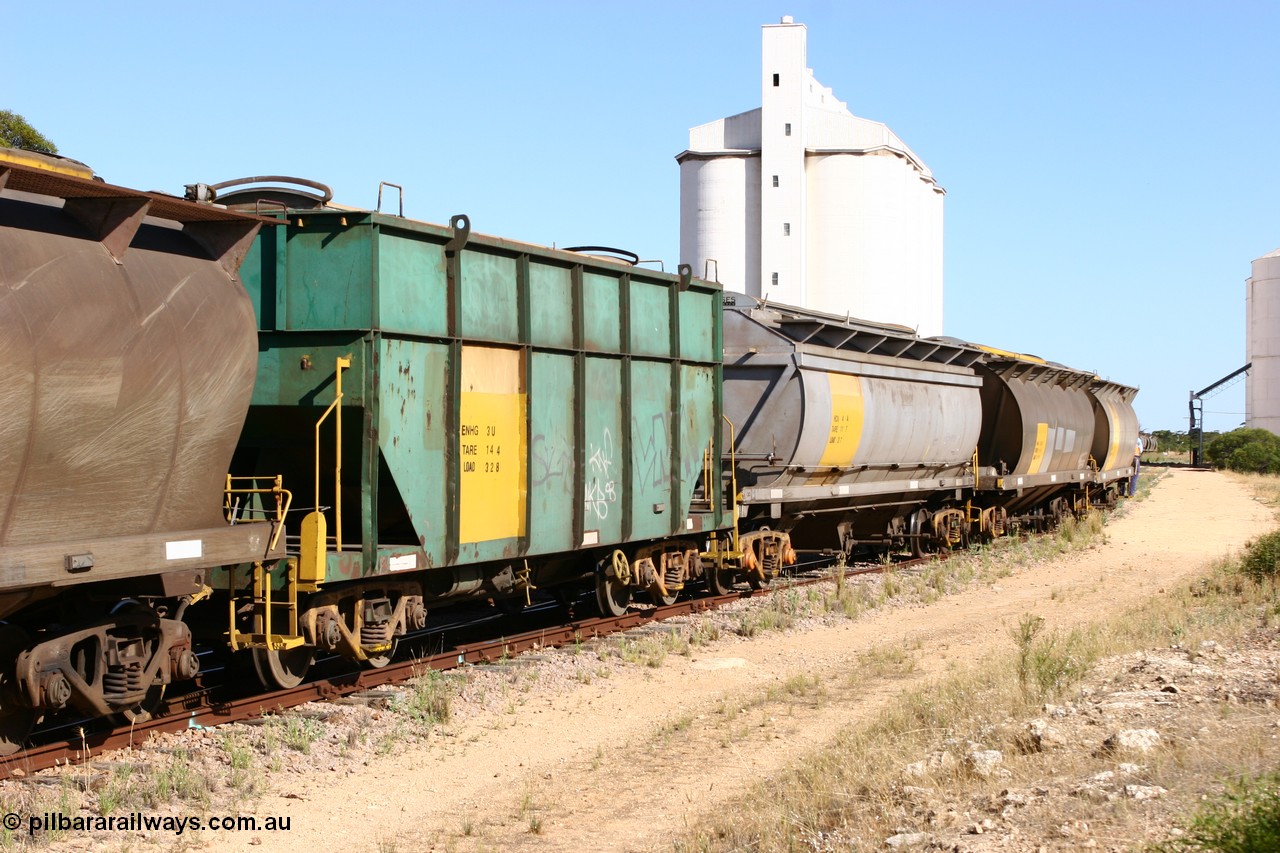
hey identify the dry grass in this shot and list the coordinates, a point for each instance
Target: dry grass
(65, 797)
(429, 700)
(854, 794)
(652, 649)
(1265, 487)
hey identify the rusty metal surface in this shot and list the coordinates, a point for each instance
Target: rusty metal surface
(69, 187)
(126, 386)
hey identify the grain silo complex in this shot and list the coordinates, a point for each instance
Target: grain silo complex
(804, 203)
(1262, 342)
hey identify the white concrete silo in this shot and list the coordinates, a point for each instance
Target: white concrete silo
(1262, 342)
(804, 203)
(720, 201)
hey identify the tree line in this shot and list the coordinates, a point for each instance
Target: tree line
(1249, 450)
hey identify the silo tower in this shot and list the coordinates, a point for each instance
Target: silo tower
(804, 203)
(1262, 340)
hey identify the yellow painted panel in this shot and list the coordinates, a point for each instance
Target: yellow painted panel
(1037, 456)
(847, 411)
(1113, 424)
(1034, 359)
(311, 551)
(493, 483)
(45, 163)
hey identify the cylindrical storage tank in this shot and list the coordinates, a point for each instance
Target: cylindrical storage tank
(874, 242)
(930, 261)
(1038, 422)
(1115, 433)
(127, 383)
(714, 193)
(1263, 342)
(1248, 350)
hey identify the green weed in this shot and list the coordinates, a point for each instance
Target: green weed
(1244, 819)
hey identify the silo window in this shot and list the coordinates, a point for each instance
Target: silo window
(775, 279)
(787, 129)
(775, 79)
(786, 229)
(775, 180)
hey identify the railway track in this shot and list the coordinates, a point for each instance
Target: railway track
(210, 706)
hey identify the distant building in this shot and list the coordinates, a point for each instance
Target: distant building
(804, 203)
(1262, 343)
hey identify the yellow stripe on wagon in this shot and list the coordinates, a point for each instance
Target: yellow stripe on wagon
(1037, 455)
(847, 411)
(1113, 424)
(493, 483)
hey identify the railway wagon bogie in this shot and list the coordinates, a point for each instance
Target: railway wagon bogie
(660, 571)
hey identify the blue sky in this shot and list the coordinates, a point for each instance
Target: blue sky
(1111, 168)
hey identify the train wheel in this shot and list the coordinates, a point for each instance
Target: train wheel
(919, 523)
(719, 582)
(16, 720)
(380, 660)
(613, 592)
(664, 600)
(756, 582)
(142, 711)
(1059, 510)
(612, 596)
(282, 670)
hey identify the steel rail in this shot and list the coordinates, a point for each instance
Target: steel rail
(201, 708)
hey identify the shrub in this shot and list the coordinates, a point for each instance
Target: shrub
(1245, 820)
(1262, 556)
(1048, 665)
(1249, 450)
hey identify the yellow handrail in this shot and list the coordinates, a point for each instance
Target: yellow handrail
(343, 362)
(284, 499)
(733, 481)
(707, 454)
